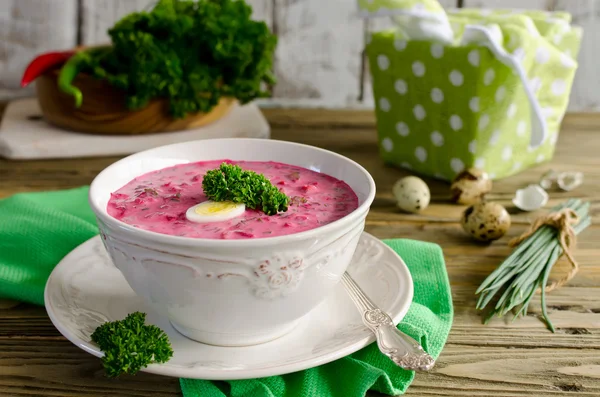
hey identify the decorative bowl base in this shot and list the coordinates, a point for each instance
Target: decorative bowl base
(234, 340)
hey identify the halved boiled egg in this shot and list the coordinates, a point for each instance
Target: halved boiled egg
(214, 211)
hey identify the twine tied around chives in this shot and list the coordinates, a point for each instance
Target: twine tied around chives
(527, 269)
(563, 221)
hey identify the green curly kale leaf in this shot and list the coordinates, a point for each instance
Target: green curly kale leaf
(130, 345)
(230, 183)
(192, 53)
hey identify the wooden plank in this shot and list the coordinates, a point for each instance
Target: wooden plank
(57, 368)
(318, 55)
(501, 359)
(27, 28)
(509, 4)
(487, 371)
(351, 133)
(99, 15)
(585, 94)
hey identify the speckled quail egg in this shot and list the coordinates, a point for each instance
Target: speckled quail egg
(486, 221)
(470, 186)
(412, 194)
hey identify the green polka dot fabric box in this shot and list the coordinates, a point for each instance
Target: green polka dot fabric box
(469, 87)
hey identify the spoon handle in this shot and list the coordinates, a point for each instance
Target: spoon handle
(403, 350)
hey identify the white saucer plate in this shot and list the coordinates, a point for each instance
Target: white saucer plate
(86, 290)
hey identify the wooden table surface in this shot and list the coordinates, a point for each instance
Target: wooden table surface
(500, 359)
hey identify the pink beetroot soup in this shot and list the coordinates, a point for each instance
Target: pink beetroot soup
(157, 201)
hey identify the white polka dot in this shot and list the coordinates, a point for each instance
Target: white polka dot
(456, 78)
(558, 87)
(479, 162)
(521, 128)
(474, 58)
(387, 144)
(384, 104)
(402, 129)
(506, 153)
(547, 112)
(473, 147)
(567, 61)
(553, 139)
(418, 68)
(516, 166)
(437, 50)
(474, 104)
(456, 122)
(535, 84)
(512, 110)
(437, 139)
(542, 55)
(484, 121)
(419, 112)
(400, 44)
(437, 95)
(383, 62)
(457, 165)
(540, 158)
(406, 165)
(557, 38)
(489, 76)
(400, 86)
(519, 53)
(421, 154)
(439, 175)
(495, 137)
(500, 93)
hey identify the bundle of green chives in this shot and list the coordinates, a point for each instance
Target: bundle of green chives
(527, 268)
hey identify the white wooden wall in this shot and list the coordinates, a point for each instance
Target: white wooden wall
(319, 60)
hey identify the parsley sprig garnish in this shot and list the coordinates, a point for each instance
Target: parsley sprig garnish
(230, 183)
(129, 345)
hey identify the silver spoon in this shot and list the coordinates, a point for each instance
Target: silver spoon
(403, 350)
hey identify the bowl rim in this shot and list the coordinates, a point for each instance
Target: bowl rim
(148, 235)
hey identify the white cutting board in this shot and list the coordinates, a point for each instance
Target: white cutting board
(25, 135)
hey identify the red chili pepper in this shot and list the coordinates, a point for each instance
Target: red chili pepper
(43, 63)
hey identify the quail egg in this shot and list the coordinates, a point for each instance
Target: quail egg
(470, 186)
(486, 221)
(412, 194)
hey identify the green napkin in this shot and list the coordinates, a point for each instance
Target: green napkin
(428, 320)
(38, 229)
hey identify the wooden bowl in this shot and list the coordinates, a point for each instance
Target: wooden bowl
(104, 110)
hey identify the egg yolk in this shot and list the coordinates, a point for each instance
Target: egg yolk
(217, 207)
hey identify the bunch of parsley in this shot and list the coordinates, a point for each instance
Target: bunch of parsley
(230, 183)
(192, 53)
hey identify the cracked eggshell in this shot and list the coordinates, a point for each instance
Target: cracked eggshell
(532, 198)
(470, 186)
(412, 194)
(486, 221)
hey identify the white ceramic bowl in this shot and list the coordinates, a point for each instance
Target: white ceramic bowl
(233, 292)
